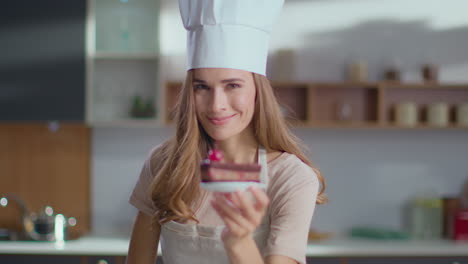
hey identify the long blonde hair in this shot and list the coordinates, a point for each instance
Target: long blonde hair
(174, 190)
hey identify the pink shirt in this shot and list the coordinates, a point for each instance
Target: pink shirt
(292, 189)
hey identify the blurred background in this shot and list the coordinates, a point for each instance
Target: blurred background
(377, 90)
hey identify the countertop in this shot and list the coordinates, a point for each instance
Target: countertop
(336, 247)
(352, 247)
(89, 245)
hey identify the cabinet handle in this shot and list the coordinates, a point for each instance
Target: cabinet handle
(102, 261)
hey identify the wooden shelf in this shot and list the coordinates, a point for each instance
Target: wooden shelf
(352, 104)
(124, 56)
(293, 100)
(345, 124)
(137, 122)
(423, 96)
(423, 85)
(422, 126)
(344, 84)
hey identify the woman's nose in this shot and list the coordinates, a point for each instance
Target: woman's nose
(218, 100)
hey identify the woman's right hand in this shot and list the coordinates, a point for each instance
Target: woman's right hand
(240, 214)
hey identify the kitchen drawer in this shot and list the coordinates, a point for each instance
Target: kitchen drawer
(317, 260)
(111, 260)
(57, 259)
(35, 259)
(105, 260)
(409, 260)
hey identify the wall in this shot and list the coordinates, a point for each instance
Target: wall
(325, 35)
(370, 173)
(118, 156)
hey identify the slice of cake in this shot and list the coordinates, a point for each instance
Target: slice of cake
(213, 170)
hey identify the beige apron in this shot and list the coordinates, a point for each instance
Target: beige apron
(202, 244)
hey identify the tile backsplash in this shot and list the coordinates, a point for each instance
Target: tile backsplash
(370, 174)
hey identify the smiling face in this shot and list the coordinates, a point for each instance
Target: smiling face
(224, 101)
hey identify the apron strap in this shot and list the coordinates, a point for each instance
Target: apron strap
(262, 160)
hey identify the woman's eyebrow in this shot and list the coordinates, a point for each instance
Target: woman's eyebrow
(223, 81)
(232, 80)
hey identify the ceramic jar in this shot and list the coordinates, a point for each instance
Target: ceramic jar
(438, 114)
(406, 114)
(462, 114)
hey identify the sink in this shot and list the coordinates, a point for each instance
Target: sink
(12, 235)
(5, 234)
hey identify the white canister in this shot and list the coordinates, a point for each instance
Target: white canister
(406, 114)
(462, 114)
(438, 114)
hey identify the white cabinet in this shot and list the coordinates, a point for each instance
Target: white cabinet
(123, 63)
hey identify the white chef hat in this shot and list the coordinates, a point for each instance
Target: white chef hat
(229, 33)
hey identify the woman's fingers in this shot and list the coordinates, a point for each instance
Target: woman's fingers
(261, 198)
(226, 210)
(234, 228)
(241, 214)
(232, 225)
(247, 208)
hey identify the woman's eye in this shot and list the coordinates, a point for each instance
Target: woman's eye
(233, 85)
(200, 87)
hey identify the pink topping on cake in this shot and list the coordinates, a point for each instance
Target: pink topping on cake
(215, 155)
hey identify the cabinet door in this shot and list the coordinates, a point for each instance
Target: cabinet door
(34, 259)
(409, 260)
(42, 65)
(104, 260)
(314, 260)
(113, 260)
(46, 164)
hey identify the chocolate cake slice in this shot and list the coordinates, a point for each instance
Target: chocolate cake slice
(212, 170)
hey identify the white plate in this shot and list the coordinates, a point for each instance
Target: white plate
(229, 186)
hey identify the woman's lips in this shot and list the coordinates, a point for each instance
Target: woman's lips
(221, 120)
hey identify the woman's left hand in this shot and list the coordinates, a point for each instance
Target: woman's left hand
(240, 214)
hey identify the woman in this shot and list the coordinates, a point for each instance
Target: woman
(230, 106)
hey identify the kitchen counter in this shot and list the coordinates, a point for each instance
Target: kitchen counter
(92, 245)
(352, 247)
(338, 247)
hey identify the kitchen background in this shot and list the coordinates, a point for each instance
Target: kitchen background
(371, 173)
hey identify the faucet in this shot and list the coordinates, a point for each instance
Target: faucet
(18, 200)
(28, 225)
